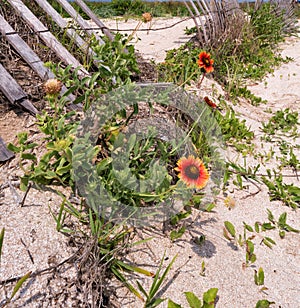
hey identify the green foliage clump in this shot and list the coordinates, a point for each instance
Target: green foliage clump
(180, 65)
(136, 8)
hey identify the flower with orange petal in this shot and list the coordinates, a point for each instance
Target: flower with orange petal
(205, 62)
(192, 172)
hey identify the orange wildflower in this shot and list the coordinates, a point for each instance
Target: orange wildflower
(205, 62)
(192, 172)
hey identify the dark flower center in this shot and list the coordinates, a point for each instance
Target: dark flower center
(192, 172)
(206, 61)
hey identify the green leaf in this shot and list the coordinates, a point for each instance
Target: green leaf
(264, 241)
(199, 240)
(158, 281)
(252, 259)
(270, 216)
(230, 228)
(256, 227)
(31, 145)
(119, 276)
(13, 148)
(79, 99)
(141, 289)
(131, 143)
(259, 277)
(270, 240)
(239, 180)
(64, 169)
(19, 285)
(102, 165)
(193, 300)
(209, 207)
(209, 298)
(135, 269)
(202, 272)
(264, 303)
(93, 79)
(22, 137)
(282, 234)
(249, 228)
(267, 226)
(250, 247)
(174, 235)
(171, 304)
(282, 219)
(69, 91)
(291, 229)
(155, 302)
(24, 183)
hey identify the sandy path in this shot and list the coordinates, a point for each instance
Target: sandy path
(155, 38)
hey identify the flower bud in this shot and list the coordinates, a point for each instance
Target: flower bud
(147, 17)
(52, 86)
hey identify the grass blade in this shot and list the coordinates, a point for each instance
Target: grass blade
(127, 284)
(19, 285)
(158, 281)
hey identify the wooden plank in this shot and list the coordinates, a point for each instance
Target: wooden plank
(62, 23)
(95, 19)
(49, 39)
(31, 58)
(5, 154)
(12, 90)
(81, 22)
(24, 50)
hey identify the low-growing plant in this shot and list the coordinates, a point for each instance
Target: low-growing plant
(235, 132)
(259, 277)
(55, 164)
(263, 303)
(209, 300)
(129, 8)
(289, 194)
(150, 297)
(180, 65)
(284, 121)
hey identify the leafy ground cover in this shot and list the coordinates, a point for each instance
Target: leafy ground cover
(102, 242)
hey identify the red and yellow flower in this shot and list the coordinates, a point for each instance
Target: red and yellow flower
(205, 62)
(192, 172)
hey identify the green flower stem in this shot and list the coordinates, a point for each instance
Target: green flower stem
(172, 188)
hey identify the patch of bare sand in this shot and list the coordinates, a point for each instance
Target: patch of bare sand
(154, 38)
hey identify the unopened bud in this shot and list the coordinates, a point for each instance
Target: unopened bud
(52, 86)
(147, 17)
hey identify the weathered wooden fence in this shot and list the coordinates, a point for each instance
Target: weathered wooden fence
(8, 85)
